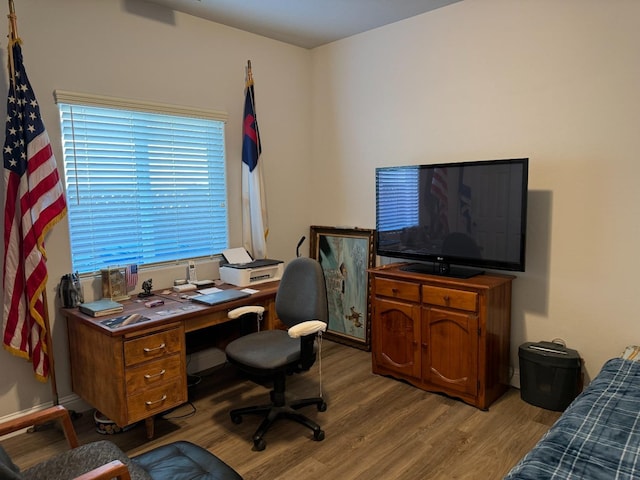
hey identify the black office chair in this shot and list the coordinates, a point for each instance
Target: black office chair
(301, 304)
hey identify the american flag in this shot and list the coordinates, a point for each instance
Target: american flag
(131, 276)
(255, 226)
(34, 203)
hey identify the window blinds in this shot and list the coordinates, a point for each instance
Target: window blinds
(142, 187)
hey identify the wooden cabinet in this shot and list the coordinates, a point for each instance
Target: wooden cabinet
(443, 334)
(129, 377)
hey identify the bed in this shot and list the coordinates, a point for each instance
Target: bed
(598, 435)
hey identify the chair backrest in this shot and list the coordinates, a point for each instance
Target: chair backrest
(302, 294)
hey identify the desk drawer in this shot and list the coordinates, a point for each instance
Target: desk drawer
(397, 289)
(153, 373)
(156, 400)
(153, 346)
(447, 297)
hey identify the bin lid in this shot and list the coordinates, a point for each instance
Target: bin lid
(554, 354)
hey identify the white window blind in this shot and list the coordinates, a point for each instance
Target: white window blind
(142, 186)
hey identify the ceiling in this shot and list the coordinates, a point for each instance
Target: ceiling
(305, 23)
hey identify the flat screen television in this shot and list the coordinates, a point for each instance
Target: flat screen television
(454, 219)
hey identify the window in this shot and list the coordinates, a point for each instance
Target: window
(145, 182)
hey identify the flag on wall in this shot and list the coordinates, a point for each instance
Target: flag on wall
(34, 203)
(255, 226)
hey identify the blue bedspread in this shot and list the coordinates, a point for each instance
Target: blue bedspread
(598, 435)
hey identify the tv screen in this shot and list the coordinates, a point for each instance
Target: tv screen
(450, 216)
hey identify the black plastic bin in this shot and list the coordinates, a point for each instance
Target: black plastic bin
(549, 375)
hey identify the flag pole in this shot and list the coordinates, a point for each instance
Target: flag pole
(13, 30)
(13, 37)
(249, 73)
(49, 343)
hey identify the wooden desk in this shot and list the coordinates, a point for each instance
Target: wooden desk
(134, 372)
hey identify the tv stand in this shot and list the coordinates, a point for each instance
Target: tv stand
(442, 334)
(442, 269)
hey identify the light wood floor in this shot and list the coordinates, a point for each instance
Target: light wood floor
(376, 428)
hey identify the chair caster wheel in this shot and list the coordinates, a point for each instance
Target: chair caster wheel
(322, 407)
(318, 435)
(259, 444)
(237, 419)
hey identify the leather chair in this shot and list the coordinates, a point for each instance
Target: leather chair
(103, 460)
(301, 305)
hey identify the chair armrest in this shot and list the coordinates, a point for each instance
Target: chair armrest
(309, 327)
(115, 469)
(240, 311)
(56, 413)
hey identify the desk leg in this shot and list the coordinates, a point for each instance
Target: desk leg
(149, 425)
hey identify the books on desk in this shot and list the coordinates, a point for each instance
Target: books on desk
(100, 308)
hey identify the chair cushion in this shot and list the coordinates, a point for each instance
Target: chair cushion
(8, 469)
(82, 459)
(184, 461)
(265, 350)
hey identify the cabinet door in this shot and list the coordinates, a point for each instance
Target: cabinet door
(450, 350)
(397, 336)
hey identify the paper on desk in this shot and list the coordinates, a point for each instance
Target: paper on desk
(237, 255)
(250, 290)
(207, 291)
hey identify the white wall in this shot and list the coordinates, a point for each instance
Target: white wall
(558, 82)
(137, 50)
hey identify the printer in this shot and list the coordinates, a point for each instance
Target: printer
(243, 271)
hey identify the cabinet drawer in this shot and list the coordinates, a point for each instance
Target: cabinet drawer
(157, 345)
(156, 399)
(153, 373)
(447, 297)
(396, 289)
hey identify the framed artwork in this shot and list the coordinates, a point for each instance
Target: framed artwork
(345, 254)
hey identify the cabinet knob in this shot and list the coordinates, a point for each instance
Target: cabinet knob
(394, 291)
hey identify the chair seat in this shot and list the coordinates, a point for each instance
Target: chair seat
(264, 351)
(184, 461)
(176, 461)
(80, 460)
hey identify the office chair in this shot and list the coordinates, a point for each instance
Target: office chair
(301, 304)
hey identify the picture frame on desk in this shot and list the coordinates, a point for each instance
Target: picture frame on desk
(345, 254)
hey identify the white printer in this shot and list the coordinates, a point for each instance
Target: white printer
(243, 271)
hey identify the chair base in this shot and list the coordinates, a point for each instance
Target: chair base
(274, 411)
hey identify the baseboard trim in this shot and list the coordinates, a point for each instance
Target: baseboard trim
(71, 402)
(515, 379)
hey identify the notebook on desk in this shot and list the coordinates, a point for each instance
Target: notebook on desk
(220, 297)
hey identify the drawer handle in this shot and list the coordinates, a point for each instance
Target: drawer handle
(394, 291)
(149, 350)
(149, 402)
(149, 376)
(447, 299)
